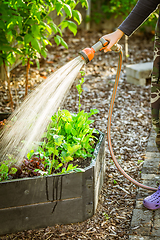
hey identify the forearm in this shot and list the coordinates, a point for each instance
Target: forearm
(138, 15)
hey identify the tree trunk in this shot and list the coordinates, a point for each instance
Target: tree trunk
(27, 73)
(9, 87)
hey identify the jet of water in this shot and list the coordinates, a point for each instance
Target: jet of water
(27, 124)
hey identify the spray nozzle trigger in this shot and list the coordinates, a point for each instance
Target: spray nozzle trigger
(101, 44)
(116, 47)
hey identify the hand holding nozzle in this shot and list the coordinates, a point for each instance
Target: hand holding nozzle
(87, 54)
(102, 43)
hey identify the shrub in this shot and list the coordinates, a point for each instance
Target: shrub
(25, 27)
(110, 8)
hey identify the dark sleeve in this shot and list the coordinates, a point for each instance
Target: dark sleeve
(138, 15)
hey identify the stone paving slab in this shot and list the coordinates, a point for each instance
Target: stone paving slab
(145, 224)
(141, 238)
(138, 73)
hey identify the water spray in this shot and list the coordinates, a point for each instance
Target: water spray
(87, 55)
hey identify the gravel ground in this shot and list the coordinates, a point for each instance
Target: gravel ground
(131, 125)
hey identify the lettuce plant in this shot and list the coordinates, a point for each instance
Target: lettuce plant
(68, 137)
(7, 168)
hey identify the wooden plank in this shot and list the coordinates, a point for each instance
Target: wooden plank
(98, 187)
(22, 192)
(64, 186)
(99, 170)
(99, 154)
(40, 189)
(88, 193)
(40, 215)
(100, 161)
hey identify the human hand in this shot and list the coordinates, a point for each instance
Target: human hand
(113, 38)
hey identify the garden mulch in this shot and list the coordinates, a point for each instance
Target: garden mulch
(131, 126)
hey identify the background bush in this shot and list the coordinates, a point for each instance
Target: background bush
(106, 9)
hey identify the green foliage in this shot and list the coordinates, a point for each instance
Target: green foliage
(117, 8)
(26, 25)
(140, 161)
(6, 169)
(68, 137)
(106, 216)
(151, 21)
(114, 181)
(79, 87)
(121, 7)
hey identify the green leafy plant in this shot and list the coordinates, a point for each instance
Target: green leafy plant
(106, 216)
(6, 169)
(68, 137)
(106, 9)
(25, 27)
(79, 88)
(37, 26)
(121, 7)
(8, 35)
(114, 181)
(111, 161)
(140, 161)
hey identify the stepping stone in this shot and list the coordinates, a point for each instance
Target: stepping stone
(139, 73)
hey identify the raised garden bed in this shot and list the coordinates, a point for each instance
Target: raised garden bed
(31, 203)
(4, 116)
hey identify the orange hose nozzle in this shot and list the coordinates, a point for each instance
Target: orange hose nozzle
(87, 54)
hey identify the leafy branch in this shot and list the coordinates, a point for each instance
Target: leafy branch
(25, 27)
